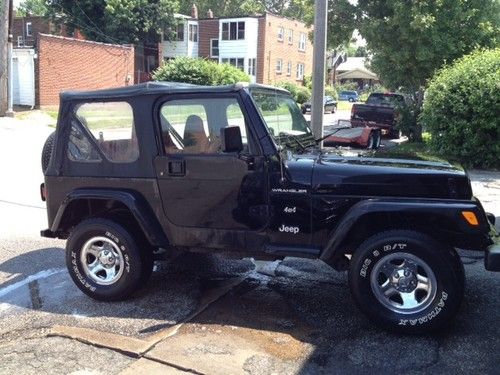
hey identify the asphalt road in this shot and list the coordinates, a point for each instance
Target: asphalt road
(209, 314)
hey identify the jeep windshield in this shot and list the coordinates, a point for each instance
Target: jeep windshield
(283, 118)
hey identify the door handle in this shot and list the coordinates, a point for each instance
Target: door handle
(176, 168)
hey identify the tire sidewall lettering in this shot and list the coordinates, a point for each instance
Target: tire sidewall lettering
(81, 278)
(377, 253)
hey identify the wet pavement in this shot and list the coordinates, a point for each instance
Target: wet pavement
(213, 315)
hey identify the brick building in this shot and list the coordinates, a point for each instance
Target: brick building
(25, 29)
(72, 64)
(268, 47)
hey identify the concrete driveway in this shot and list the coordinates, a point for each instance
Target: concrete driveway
(208, 314)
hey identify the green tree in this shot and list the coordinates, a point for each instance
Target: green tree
(297, 9)
(116, 21)
(32, 8)
(410, 40)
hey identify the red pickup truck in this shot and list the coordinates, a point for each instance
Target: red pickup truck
(380, 111)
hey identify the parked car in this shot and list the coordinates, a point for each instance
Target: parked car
(351, 96)
(150, 170)
(330, 105)
(380, 110)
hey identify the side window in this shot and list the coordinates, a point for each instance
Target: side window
(112, 126)
(192, 126)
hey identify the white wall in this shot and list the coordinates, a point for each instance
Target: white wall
(246, 48)
(181, 48)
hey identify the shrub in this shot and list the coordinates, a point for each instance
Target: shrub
(199, 72)
(301, 94)
(461, 110)
(330, 91)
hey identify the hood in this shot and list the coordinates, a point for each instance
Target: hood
(374, 177)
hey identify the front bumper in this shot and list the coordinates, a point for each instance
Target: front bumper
(492, 258)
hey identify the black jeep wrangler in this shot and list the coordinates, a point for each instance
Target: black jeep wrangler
(162, 167)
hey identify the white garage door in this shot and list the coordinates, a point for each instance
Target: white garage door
(23, 74)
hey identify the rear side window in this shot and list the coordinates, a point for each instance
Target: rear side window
(111, 125)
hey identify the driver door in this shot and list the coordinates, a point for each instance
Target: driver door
(211, 198)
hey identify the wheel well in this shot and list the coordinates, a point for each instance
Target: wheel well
(81, 209)
(435, 226)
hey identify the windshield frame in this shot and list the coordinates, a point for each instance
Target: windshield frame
(294, 142)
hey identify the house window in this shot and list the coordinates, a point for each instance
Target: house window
(29, 29)
(279, 65)
(180, 32)
(193, 33)
(20, 41)
(290, 36)
(214, 47)
(281, 33)
(236, 62)
(233, 30)
(302, 42)
(300, 71)
(289, 69)
(251, 67)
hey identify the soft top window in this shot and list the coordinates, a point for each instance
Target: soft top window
(111, 124)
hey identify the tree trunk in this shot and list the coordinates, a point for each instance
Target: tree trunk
(419, 101)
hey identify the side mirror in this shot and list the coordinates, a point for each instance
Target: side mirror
(231, 139)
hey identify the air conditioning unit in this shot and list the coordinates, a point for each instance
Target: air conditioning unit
(20, 41)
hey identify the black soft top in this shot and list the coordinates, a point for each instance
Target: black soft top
(156, 87)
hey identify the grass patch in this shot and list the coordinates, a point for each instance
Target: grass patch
(52, 114)
(344, 105)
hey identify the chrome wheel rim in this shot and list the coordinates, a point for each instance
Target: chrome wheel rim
(403, 283)
(102, 260)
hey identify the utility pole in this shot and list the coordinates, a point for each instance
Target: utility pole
(319, 47)
(10, 73)
(4, 35)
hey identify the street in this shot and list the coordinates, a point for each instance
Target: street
(207, 314)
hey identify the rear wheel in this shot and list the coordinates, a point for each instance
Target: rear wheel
(374, 140)
(407, 282)
(105, 261)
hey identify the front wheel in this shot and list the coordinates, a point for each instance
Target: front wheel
(105, 261)
(407, 282)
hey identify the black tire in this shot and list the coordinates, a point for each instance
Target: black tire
(351, 100)
(135, 263)
(371, 141)
(436, 307)
(395, 134)
(378, 139)
(47, 151)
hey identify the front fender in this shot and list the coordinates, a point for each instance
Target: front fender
(449, 212)
(137, 205)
